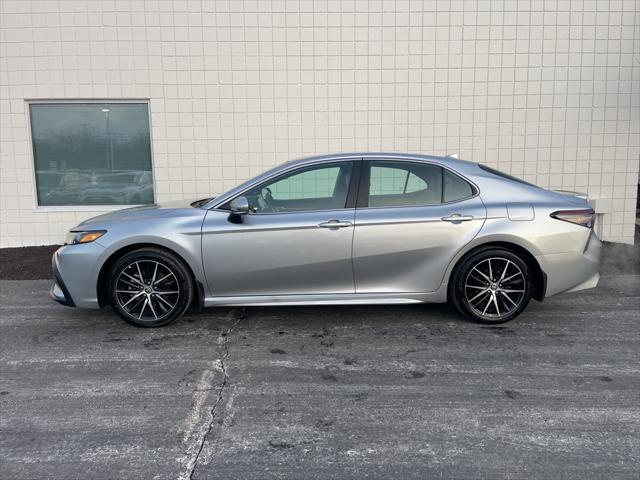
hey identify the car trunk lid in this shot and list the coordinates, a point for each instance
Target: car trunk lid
(569, 193)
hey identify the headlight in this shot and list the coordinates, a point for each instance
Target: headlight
(83, 237)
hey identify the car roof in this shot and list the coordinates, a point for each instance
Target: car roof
(391, 156)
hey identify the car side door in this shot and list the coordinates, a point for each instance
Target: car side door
(412, 217)
(296, 240)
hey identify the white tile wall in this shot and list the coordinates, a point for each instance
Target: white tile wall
(546, 90)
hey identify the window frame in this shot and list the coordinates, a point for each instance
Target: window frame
(365, 176)
(352, 190)
(72, 101)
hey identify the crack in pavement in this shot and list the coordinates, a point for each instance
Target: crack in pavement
(224, 336)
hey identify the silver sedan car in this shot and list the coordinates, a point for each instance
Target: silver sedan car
(338, 229)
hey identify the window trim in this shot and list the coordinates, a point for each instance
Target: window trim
(351, 191)
(32, 163)
(363, 188)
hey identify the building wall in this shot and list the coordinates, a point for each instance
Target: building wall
(548, 91)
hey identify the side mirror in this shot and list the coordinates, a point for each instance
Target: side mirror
(239, 206)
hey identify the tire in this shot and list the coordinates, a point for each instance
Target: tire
(150, 287)
(491, 302)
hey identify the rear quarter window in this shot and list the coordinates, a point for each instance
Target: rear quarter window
(455, 188)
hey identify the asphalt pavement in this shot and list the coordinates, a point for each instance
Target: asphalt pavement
(322, 392)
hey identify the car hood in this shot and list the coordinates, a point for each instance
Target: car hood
(137, 213)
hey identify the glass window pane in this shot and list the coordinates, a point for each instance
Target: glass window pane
(394, 184)
(387, 180)
(315, 188)
(455, 188)
(318, 183)
(92, 153)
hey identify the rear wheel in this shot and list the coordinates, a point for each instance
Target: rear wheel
(150, 287)
(491, 286)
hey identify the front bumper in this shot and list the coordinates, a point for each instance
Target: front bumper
(75, 274)
(59, 291)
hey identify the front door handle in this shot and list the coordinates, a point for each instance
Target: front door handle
(335, 224)
(456, 217)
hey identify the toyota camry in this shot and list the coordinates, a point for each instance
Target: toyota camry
(338, 229)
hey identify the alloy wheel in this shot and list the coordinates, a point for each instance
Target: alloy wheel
(147, 290)
(494, 288)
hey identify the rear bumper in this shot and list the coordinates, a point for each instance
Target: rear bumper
(573, 271)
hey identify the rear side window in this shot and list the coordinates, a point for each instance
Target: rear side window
(396, 184)
(394, 181)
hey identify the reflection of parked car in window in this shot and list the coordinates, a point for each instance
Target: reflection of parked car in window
(131, 188)
(94, 188)
(47, 181)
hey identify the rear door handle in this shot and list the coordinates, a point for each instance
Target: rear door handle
(335, 224)
(456, 217)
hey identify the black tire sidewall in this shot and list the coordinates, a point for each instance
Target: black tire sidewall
(457, 294)
(172, 262)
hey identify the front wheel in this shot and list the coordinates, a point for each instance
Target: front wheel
(150, 287)
(491, 286)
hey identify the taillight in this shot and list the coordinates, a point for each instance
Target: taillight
(584, 217)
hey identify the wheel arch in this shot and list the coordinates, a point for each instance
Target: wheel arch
(538, 276)
(103, 275)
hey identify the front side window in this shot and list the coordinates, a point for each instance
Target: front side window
(322, 187)
(92, 153)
